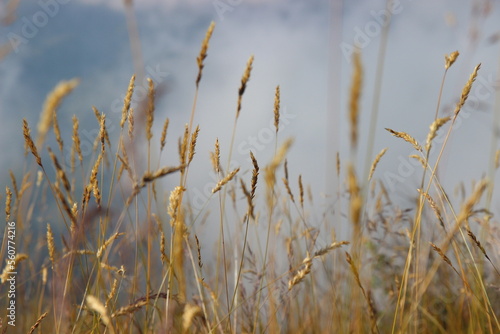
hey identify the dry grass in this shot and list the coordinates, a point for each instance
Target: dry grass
(138, 258)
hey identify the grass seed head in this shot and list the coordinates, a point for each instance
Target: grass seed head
(244, 81)
(355, 97)
(164, 134)
(8, 203)
(450, 59)
(151, 109)
(127, 100)
(375, 162)
(52, 102)
(29, 142)
(466, 90)
(203, 52)
(277, 108)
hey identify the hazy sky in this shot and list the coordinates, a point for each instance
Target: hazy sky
(297, 44)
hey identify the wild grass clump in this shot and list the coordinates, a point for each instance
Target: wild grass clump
(119, 253)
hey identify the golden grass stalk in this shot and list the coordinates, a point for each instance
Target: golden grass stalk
(198, 250)
(8, 203)
(127, 100)
(125, 166)
(51, 246)
(434, 207)
(285, 169)
(131, 124)
(467, 207)
(255, 175)
(50, 106)
(225, 180)
(164, 257)
(478, 244)
(174, 204)
(435, 126)
(96, 192)
(192, 144)
(243, 86)
(151, 109)
(406, 137)
(95, 304)
(37, 323)
(103, 132)
(251, 207)
(302, 273)
(356, 201)
(112, 293)
(330, 247)
(78, 252)
(288, 190)
(450, 59)
(25, 184)
(44, 276)
(277, 108)
(419, 158)
(163, 139)
(354, 269)
(307, 262)
(76, 138)
(301, 192)
(9, 267)
(117, 270)
(106, 243)
(93, 184)
(188, 314)
(203, 52)
(131, 308)
(137, 304)
(443, 256)
(180, 232)
(215, 157)
(354, 96)
(466, 90)
(85, 197)
(149, 177)
(270, 170)
(369, 300)
(72, 159)
(74, 210)
(14, 183)
(64, 203)
(183, 145)
(125, 163)
(59, 171)
(57, 130)
(375, 162)
(29, 142)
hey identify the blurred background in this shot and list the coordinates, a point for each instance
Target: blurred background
(305, 47)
